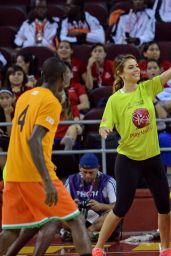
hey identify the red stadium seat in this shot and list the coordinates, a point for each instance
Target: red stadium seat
(99, 94)
(56, 2)
(123, 5)
(82, 51)
(8, 39)
(98, 10)
(163, 31)
(42, 53)
(12, 16)
(56, 10)
(165, 50)
(93, 114)
(113, 50)
(15, 2)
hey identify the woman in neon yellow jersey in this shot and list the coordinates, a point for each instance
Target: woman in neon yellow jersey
(130, 111)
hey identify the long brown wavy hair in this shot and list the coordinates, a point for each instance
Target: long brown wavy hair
(118, 83)
(66, 107)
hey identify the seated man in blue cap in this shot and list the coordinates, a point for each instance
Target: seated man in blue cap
(94, 192)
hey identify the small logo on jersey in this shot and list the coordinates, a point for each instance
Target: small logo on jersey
(107, 75)
(35, 92)
(141, 117)
(50, 120)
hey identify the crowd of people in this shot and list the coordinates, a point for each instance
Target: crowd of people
(79, 27)
(136, 92)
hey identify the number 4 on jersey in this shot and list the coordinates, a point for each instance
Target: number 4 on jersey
(22, 117)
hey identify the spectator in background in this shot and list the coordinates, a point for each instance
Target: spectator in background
(76, 92)
(100, 71)
(6, 113)
(94, 192)
(71, 106)
(39, 29)
(3, 63)
(79, 26)
(163, 99)
(162, 104)
(16, 80)
(136, 27)
(67, 134)
(65, 52)
(28, 63)
(163, 11)
(151, 51)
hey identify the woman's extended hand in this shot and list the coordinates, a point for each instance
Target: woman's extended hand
(104, 132)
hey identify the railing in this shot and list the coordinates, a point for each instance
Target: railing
(103, 149)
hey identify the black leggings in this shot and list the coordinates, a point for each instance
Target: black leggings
(128, 173)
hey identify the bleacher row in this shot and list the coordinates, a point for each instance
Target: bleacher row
(14, 12)
(42, 53)
(18, 13)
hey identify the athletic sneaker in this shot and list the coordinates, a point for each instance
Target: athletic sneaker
(97, 252)
(166, 252)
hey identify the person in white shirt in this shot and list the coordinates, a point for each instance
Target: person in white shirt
(3, 61)
(39, 29)
(135, 27)
(79, 26)
(163, 11)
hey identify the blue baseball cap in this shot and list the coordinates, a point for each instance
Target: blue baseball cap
(89, 161)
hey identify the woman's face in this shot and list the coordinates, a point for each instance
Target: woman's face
(5, 100)
(153, 69)
(21, 62)
(64, 51)
(153, 52)
(67, 77)
(16, 78)
(99, 53)
(131, 71)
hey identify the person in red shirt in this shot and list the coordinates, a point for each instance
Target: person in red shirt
(67, 134)
(29, 64)
(16, 80)
(74, 101)
(7, 102)
(65, 52)
(151, 51)
(99, 69)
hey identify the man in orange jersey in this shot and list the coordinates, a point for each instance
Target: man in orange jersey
(34, 199)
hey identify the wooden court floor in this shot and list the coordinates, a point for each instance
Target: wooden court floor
(121, 248)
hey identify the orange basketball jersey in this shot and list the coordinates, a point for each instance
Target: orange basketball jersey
(35, 107)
